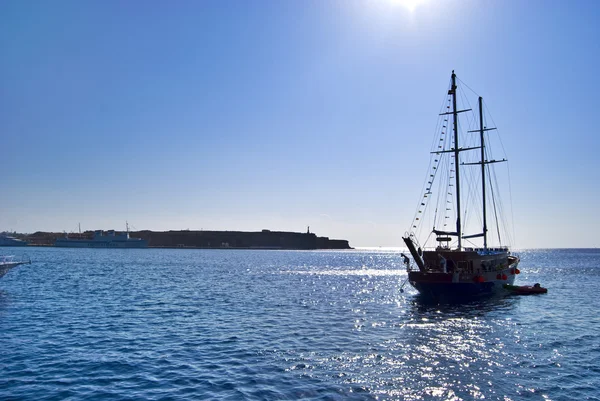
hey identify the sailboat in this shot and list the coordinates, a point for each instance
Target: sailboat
(453, 262)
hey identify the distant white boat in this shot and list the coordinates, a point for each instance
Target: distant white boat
(111, 239)
(9, 262)
(9, 240)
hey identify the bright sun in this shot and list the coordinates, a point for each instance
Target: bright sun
(410, 5)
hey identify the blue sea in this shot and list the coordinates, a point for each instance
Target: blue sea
(156, 324)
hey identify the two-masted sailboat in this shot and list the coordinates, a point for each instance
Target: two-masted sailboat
(453, 262)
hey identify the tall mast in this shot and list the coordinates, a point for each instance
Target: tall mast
(481, 130)
(456, 163)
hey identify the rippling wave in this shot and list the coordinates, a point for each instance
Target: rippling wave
(266, 325)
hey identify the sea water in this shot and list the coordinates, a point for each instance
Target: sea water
(156, 324)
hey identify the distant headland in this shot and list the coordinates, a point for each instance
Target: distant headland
(264, 239)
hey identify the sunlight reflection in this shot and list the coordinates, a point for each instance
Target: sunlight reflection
(353, 272)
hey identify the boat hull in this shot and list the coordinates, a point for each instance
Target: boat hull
(450, 291)
(472, 282)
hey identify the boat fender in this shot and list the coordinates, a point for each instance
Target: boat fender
(517, 271)
(504, 277)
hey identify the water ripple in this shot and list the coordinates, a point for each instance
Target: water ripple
(195, 325)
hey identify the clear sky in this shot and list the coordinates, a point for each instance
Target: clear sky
(244, 115)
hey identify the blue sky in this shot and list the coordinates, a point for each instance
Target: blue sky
(239, 115)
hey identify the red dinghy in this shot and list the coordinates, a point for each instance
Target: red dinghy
(525, 289)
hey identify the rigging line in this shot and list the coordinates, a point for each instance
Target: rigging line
(476, 195)
(467, 199)
(428, 172)
(495, 213)
(421, 199)
(494, 179)
(497, 206)
(451, 162)
(467, 86)
(473, 200)
(465, 100)
(440, 122)
(493, 184)
(495, 125)
(512, 216)
(470, 242)
(506, 228)
(510, 227)
(470, 178)
(434, 182)
(437, 207)
(445, 102)
(438, 185)
(445, 188)
(489, 151)
(503, 215)
(497, 203)
(428, 183)
(428, 237)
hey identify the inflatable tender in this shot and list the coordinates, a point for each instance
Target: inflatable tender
(525, 289)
